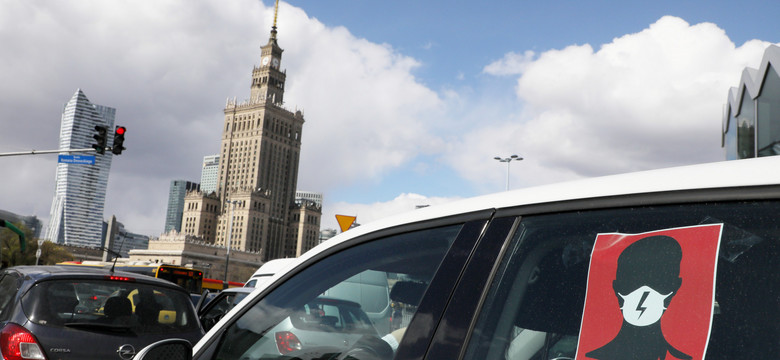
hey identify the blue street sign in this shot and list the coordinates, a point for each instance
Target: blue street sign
(77, 159)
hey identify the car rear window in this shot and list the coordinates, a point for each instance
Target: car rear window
(97, 303)
(331, 315)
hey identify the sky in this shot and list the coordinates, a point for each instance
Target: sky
(406, 102)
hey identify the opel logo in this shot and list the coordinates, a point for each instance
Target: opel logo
(126, 352)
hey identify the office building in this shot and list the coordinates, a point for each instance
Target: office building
(751, 121)
(315, 197)
(209, 175)
(178, 190)
(254, 205)
(29, 221)
(80, 190)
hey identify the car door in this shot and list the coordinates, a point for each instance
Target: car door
(535, 306)
(422, 262)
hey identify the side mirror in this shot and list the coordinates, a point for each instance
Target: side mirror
(168, 349)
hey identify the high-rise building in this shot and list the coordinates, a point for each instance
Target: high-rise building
(80, 192)
(301, 196)
(751, 120)
(209, 175)
(258, 172)
(178, 190)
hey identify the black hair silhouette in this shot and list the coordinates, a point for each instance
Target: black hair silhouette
(653, 261)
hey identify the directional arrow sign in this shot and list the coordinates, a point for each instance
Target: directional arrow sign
(345, 221)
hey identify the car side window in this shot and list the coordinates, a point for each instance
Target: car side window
(8, 287)
(534, 308)
(344, 303)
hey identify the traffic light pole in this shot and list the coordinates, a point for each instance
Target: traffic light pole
(99, 147)
(36, 152)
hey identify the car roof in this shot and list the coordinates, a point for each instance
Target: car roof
(271, 267)
(46, 272)
(725, 174)
(238, 290)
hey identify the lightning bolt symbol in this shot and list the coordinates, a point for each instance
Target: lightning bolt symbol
(641, 308)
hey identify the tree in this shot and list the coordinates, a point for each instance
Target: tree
(12, 255)
(10, 247)
(52, 253)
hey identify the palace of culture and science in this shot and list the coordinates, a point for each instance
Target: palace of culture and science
(258, 173)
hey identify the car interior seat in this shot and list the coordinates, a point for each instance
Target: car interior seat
(117, 308)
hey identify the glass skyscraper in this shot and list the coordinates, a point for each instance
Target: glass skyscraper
(80, 190)
(751, 122)
(176, 195)
(210, 174)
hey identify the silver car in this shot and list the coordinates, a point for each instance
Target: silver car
(322, 323)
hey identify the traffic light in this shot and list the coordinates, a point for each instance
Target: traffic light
(100, 139)
(119, 139)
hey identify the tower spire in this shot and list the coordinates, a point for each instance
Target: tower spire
(273, 28)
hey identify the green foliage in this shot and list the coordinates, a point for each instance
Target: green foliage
(12, 255)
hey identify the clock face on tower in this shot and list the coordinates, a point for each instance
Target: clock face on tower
(265, 60)
(275, 62)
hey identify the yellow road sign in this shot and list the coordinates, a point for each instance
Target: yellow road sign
(345, 221)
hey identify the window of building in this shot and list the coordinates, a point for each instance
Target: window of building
(746, 127)
(769, 115)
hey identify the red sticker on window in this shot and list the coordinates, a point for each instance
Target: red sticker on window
(650, 295)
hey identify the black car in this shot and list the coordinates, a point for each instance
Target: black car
(57, 312)
(216, 305)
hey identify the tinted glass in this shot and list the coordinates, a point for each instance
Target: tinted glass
(321, 310)
(139, 307)
(332, 315)
(535, 305)
(217, 308)
(746, 128)
(769, 115)
(8, 289)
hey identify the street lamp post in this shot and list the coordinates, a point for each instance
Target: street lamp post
(507, 161)
(229, 236)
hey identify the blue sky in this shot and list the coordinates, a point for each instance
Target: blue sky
(406, 102)
(451, 37)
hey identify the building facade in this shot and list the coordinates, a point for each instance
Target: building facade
(124, 241)
(751, 121)
(209, 175)
(258, 172)
(80, 190)
(316, 197)
(30, 221)
(178, 190)
(188, 250)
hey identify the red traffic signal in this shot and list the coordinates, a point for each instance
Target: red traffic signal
(119, 140)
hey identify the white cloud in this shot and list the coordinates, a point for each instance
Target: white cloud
(512, 64)
(646, 100)
(367, 213)
(167, 67)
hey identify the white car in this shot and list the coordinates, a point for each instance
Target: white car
(268, 270)
(676, 263)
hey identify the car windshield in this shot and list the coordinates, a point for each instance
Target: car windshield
(109, 305)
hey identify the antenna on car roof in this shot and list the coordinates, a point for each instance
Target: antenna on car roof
(114, 253)
(117, 255)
